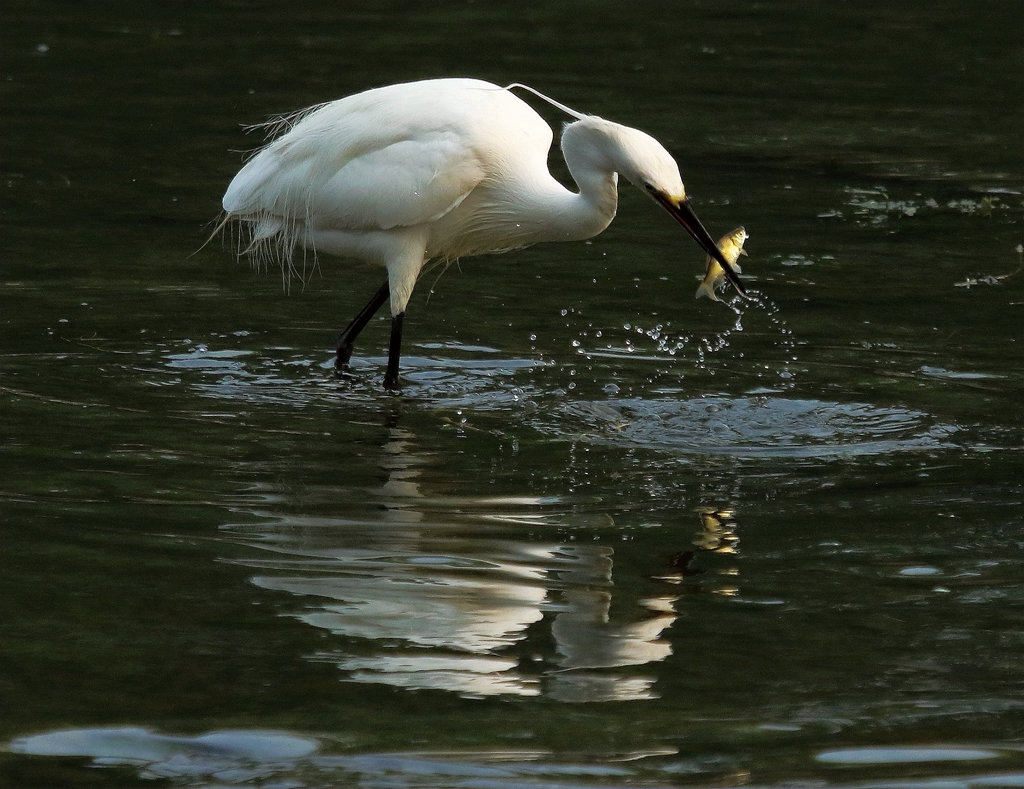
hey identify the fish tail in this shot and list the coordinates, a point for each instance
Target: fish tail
(706, 288)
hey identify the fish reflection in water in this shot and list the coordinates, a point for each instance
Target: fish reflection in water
(718, 530)
(432, 593)
(716, 534)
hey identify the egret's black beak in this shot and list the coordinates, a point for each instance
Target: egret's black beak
(683, 214)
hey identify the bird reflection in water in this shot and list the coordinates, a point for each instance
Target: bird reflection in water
(587, 639)
(442, 592)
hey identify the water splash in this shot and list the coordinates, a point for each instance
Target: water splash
(877, 206)
(706, 350)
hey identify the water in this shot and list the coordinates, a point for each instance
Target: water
(608, 535)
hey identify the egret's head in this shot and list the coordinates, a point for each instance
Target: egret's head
(643, 161)
(682, 212)
(596, 145)
(649, 166)
(603, 146)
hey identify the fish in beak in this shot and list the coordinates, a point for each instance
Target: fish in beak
(731, 245)
(683, 214)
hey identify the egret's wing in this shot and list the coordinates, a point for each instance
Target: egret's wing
(405, 183)
(356, 178)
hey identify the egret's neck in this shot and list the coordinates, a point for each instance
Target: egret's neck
(529, 206)
(593, 170)
(544, 210)
(584, 214)
(598, 195)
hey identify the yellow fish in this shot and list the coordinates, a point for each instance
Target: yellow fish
(731, 246)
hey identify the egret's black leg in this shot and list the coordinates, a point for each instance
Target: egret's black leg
(348, 337)
(394, 352)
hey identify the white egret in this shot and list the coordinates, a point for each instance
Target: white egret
(440, 169)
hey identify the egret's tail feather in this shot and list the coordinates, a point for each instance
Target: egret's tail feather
(221, 223)
(262, 229)
(276, 125)
(269, 240)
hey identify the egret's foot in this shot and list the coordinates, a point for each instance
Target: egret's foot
(394, 353)
(345, 374)
(341, 360)
(347, 338)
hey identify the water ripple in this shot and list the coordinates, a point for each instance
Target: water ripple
(760, 426)
(258, 758)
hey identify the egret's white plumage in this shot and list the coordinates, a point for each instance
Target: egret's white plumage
(439, 169)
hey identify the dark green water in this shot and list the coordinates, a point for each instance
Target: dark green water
(607, 535)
